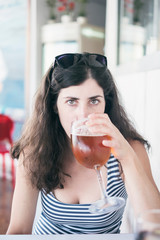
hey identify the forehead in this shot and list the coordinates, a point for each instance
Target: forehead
(87, 88)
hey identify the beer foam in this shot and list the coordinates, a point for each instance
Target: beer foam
(79, 128)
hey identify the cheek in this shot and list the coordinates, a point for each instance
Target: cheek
(63, 115)
(65, 122)
(67, 127)
(102, 108)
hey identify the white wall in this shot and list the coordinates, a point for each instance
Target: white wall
(152, 123)
(141, 98)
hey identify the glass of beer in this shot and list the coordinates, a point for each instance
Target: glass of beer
(148, 225)
(91, 153)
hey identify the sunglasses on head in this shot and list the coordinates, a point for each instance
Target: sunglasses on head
(69, 59)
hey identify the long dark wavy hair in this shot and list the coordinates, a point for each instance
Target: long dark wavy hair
(44, 143)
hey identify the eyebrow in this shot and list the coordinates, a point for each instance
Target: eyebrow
(96, 96)
(76, 98)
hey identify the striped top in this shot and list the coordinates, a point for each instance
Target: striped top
(62, 218)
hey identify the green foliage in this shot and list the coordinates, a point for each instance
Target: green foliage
(51, 3)
(138, 5)
(82, 7)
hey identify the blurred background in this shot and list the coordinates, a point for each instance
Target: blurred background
(33, 32)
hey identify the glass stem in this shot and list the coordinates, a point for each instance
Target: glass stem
(101, 182)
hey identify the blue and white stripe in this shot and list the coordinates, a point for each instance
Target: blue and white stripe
(62, 218)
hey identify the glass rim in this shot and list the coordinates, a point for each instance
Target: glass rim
(80, 129)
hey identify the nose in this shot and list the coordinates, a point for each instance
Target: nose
(83, 111)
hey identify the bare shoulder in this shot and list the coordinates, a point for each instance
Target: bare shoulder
(140, 151)
(143, 157)
(23, 179)
(25, 198)
(137, 145)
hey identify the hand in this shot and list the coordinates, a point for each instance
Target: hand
(101, 123)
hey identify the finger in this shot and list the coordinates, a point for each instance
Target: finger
(107, 143)
(98, 115)
(101, 129)
(98, 119)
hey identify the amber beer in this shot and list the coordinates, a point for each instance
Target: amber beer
(89, 150)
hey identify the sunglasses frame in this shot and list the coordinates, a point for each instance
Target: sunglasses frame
(101, 59)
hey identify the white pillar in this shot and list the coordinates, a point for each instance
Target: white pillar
(111, 32)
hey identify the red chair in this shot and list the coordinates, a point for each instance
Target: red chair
(6, 130)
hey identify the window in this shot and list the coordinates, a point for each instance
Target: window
(139, 29)
(13, 18)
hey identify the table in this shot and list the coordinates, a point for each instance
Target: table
(122, 236)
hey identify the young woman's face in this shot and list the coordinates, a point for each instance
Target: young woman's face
(76, 102)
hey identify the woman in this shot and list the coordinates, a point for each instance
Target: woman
(77, 86)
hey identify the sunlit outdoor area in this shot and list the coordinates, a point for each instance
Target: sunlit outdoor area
(13, 20)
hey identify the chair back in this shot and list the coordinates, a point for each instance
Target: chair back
(6, 128)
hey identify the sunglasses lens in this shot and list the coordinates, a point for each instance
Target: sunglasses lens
(97, 60)
(65, 60)
(101, 59)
